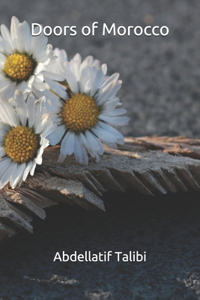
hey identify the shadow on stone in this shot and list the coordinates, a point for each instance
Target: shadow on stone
(166, 227)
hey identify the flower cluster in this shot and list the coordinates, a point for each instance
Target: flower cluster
(47, 99)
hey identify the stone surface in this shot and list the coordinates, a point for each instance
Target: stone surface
(167, 228)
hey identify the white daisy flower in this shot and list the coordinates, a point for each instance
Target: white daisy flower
(85, 117)
(24, 60)
(23, 132)
(57, 69)
(61, 55)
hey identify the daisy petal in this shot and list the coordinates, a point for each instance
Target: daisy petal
(16, 174)
(6, 35)
(70, 77)
(78, 153)
(21, 107)
(118, 121)
(104, 135)
(67, 145)
(27, 170)
(56, 136)
(32, 171)
(7, 174)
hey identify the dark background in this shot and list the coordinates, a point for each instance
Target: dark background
(166, 227)
(161, 92)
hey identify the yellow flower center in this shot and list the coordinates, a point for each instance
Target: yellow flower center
(21, 144)
(19, 67)
(80, 112)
